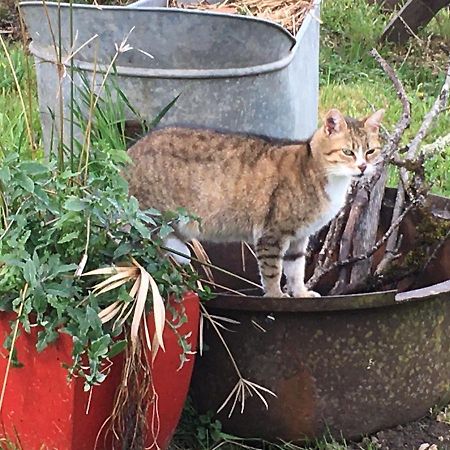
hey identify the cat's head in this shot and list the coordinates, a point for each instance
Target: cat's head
(349, 147)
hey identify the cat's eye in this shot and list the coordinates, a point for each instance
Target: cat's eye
(347, 152)
(370, 151)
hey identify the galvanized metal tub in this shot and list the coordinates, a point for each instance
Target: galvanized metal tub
(348, 365)
(233, 72)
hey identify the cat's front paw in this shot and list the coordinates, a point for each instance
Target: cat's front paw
(302, 293)
(309, 294)
(277, 294)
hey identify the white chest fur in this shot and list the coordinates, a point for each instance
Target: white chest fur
(336, 190)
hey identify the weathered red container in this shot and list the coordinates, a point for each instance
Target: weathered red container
(41, 409)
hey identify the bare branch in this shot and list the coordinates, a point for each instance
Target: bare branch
(413, 162)
(403, 123)
(438, 145)
(362, 257)
(439, 104)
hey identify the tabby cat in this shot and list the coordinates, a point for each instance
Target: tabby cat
(271, 193)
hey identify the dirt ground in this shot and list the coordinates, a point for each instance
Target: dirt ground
(428, 433)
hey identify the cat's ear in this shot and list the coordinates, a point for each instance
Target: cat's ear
(373, 122)
(334, 122)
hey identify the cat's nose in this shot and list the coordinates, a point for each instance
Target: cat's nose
(362, 167)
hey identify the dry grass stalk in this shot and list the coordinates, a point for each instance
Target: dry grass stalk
(288, 13)
(244, 388)
(23, 295)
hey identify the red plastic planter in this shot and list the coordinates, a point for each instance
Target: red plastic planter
(42, 410)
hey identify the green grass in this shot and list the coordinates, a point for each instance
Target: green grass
(352, 81)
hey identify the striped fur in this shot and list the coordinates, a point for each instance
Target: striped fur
(271, 193)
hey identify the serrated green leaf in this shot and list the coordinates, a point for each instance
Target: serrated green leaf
(116, 348)
(68, 237)
(92, 318)
(46, 337)
(99, 347)
(29, 272)
(5, 174)
(122, 249)
(25, 182)
(75, 204)
(33, 168)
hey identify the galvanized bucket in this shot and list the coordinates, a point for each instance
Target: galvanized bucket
(233, 72)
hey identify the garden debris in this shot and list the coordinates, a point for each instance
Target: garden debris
(288, 13)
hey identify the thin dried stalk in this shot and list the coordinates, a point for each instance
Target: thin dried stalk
(19, 93)
(413, 160)
(202, 255)
(243, 387)
(23, 294)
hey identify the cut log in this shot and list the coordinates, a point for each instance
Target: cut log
(414, 15)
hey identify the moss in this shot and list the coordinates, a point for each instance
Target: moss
(431, 232)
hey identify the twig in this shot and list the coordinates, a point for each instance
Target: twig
(438, 145)
(439, 104)
(412, 162)
(361, 200)
(364, 256)
(331, 239)
(212, 266)
(403, 123)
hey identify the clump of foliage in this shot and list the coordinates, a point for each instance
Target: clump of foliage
(51, 222)
(71, 213)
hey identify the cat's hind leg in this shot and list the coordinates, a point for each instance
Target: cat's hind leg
(294, 269)
(269, 251)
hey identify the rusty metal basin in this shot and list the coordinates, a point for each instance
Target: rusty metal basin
(348, 365)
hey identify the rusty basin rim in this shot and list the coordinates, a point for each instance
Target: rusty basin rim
(330, 303)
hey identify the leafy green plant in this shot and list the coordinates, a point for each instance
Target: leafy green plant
(51, 223)
(72, 214)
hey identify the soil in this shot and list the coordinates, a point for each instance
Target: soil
(429, 433)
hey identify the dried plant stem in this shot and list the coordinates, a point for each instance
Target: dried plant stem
(122, 48)
(438, 106)
(13, 342)
(412, 159)
(19, 93)
(220, 286)
(212, 266)
(243, 387)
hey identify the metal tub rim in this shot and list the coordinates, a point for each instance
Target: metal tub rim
(347, 302)
(183, 73)
(172, 73)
